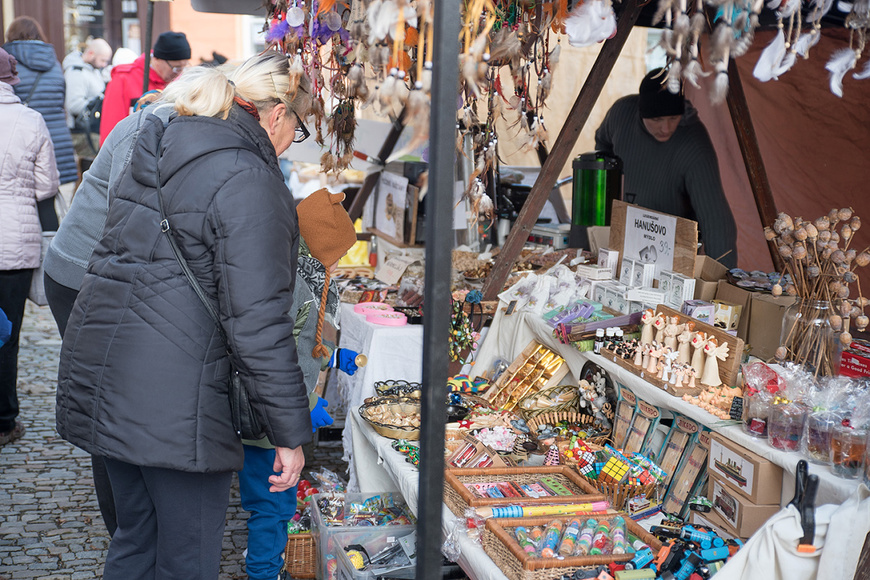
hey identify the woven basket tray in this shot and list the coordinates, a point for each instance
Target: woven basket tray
(619, 493)
(458, 498)
(501, 545)
(300, 556)
(568, 405)
(572, 417)
(403, 406)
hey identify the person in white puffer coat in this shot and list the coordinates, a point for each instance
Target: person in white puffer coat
(28, 173)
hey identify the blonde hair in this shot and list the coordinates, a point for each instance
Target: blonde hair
(264, 80)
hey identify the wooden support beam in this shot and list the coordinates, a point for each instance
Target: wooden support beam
(748, 142)
(365, 190)
(561, 150)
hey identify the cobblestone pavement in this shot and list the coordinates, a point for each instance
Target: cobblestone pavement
(50, 525)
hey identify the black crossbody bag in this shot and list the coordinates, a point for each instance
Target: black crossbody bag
(245, 421)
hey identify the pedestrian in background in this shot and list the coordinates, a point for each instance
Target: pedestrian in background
(170, 56)
(43, 89)
(28, 174)
(85, 86)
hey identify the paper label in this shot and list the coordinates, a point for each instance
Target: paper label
(650, 238)
(391, 271)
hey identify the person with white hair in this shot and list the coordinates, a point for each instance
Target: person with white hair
(84, 95)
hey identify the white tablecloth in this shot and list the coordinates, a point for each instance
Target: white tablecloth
(394, 352)
(511, 334)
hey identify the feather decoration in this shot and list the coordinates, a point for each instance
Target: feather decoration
(278, 31)
(787, 62)
(324, 6)
(720, 43)
(788, 8)
(842, 61)
(558, 25)
(742, 44)
(865, 72)
(819, 9)
(381, 16)
(698, 23)
(675, 72)
(663, 7)
(589, 23)
(719, 90)
(295, 73)
(806, 42)
(770, 59)
(693, 71)
(505, 46)
(555, 54)
(682, 25)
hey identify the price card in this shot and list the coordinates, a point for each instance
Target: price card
(650, 237)
(391, 271)
(736, 411)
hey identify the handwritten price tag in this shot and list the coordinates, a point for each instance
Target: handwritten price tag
(391, 271)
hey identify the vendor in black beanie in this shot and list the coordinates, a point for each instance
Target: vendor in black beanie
(669, 162)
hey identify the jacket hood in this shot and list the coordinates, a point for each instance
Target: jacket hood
(34, 54)
(7, 94)
(192, 137)
(72, 59)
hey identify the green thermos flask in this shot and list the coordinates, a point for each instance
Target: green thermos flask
(597, 182)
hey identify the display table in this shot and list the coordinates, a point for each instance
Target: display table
(511, 334)
(380, 468)
(394, 352)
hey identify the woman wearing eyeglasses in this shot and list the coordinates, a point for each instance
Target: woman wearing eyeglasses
(143, 371)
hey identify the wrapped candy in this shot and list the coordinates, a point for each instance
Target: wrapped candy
(756, 413)
(830, 405)
(789, 410)
(848, 448)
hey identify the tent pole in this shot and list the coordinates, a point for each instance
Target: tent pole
(439, 247)
(561, 150)
(758, 181)
(149, 26)
(365, 190)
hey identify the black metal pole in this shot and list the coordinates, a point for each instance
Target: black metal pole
(149, 25)
(439, 245)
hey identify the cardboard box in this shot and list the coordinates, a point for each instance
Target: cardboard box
(713, 521)
(743, 471)
(708, 272)
(854, 363)
(732, 294)
(739, 513)
(609, 258)
(626, 271)
(699, 310)
(726, 315)
(643, 275)
(765, 323)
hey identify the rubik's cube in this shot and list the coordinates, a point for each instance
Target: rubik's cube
(615, 470)
(642, 477)
(587, 469)
(600, 459)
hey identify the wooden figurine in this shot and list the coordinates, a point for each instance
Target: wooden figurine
(659, 325)
(714, 352)
(668, 357)
(646, 335)
(678, 377)
(692, 374)
(647, 348)
(698, 342)
(638, 354)
(654, 354)
(661, 371)
(684, 339)
(672, 330)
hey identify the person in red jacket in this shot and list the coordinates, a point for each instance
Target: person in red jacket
(171, 54)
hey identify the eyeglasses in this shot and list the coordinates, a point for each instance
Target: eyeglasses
(302, 132)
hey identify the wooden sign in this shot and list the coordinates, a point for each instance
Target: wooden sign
(678, 247)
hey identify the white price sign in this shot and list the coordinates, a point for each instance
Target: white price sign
(649, 237)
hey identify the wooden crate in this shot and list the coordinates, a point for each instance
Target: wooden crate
(508, 394)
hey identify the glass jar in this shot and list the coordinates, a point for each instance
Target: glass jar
(816, 443)
(867, 462)
(756, 413)
(786, 425)
(808, 338)
(847, 451)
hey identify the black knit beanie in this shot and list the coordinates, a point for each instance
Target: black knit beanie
(655, 98)
(172, 46)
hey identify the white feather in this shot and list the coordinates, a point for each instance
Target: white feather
(786, 64)
(805, 42)
(589, 23)
(774, 4)
(770, 59)
(674, 73)
(820, 8)
(841, 62)
(865, 72)
(789, 8)
(719, 90)
(693, 71)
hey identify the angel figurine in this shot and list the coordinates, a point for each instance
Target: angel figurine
(714, 352)
(672, 330)
(678, 375)
(698, 342)
(638, 354)
(684, 339)
(655, 352)
(668, 357)
(646, 335)
(659, 325)
(692, 374)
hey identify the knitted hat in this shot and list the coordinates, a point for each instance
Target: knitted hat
(329, 233)
(172, 46)
(8, 72)
(656, 100)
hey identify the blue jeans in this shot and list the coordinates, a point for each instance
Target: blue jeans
(270, 512)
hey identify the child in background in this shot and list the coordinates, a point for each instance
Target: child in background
(327, 233)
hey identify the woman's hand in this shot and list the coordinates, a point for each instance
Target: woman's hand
(290, 463)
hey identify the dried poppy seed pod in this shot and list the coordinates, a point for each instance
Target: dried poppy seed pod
(861, 302)
(845, 308)
(783, 223)
(839, 256)
(861, 322)
(836, 321)
(799, 252)
(851, 254)
(826, 253)
(846, 232)
(835, 237)
(785, 251)
(834, 216)
(800, 234)
(791, 290)
(781, 353)
(788, 238)
(825, 236)
(845, 214)
(845, 339)
(834, 286)
(863, 259)
(822, 223)
(843, 292)
(850, 277)
(769, 234)
(776, 290)
(813, 271)
(840, 270)
(855, 223)
(812, 231)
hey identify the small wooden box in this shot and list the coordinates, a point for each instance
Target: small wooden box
(745, 472)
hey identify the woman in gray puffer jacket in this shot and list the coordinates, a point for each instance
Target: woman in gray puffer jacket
(143, 370)
(42, 81)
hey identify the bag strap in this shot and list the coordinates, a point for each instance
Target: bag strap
(26, 101)
(191, 278)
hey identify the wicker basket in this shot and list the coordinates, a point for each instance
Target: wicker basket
(300, 559)
(619, 493)
(402, 406)
(458, 498)
(572, 417)
(501, 545)
(567, 393)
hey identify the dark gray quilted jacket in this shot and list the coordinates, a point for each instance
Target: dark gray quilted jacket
(143, 371)
(35, 57)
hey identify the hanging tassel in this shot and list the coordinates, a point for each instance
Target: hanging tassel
(693, 71)
(770, 59)
(674, 75)
(559, 18)
(806, 42)
(842, 61)
(589, 23)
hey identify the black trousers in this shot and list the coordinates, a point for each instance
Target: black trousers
(170, 523)
(14, 288)
(60, 300)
